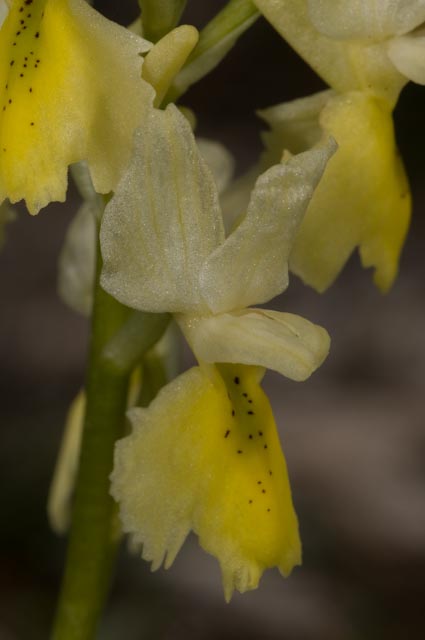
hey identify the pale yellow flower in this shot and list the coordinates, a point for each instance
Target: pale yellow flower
(366, 51)
(205, 455)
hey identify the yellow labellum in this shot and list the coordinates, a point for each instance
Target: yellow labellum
(70, 90)
(206, 456)
(362, 200)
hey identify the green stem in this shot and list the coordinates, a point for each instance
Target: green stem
(93, 541)
(215, 41)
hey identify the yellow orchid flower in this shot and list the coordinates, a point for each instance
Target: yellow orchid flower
(366, 51)
(205, 455)
(70, 90)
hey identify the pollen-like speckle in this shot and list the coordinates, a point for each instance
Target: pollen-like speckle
(260, 433)
(263, 491)
(259, 482)
(245, 395)
(250, 436)
(265, 446)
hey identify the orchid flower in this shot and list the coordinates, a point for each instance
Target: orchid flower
(70, 90)
(205, 454)
(366, 51)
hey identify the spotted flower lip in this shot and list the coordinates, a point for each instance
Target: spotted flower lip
(65, 74)
(205, 455)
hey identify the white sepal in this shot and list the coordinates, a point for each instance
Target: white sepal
(283, 342)
(251, 266)
(163, 221)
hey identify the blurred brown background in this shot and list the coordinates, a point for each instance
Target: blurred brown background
(353, 435)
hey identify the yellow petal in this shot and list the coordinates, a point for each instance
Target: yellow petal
(206, 456)
(363, 199)
(70, 90)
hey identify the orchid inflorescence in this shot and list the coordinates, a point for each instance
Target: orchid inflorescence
(182, 244)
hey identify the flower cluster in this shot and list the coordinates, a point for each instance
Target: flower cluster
(74, 88)
(366, 52)
(205, 455)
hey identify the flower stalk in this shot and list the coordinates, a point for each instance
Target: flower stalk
(94, 539)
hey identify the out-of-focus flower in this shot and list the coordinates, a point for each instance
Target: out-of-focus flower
(361, 50)
(205, 455)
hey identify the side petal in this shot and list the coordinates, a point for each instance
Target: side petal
(70, 90)
(407, 54)
(366, 19)
(283, 342)
(362, 201)
(163, 220)
(206, 456)
(251, 266)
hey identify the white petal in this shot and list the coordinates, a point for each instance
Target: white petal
(372, 20)
(77, 261)
(163, 221)
(283, 342)
(251, 266)
(407, 53)
(219, 160)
